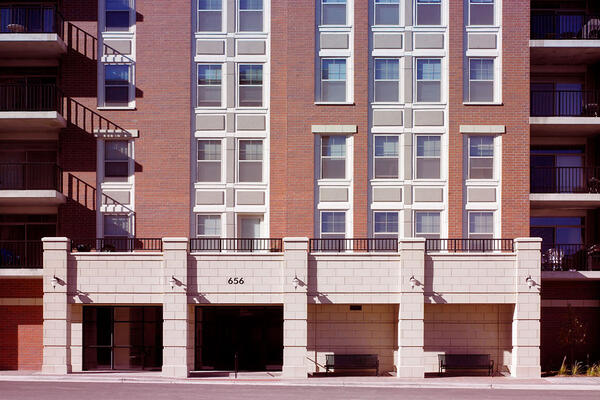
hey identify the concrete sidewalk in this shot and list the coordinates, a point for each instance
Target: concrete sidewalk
(274, 379)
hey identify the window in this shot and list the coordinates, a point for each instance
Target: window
(250, 85)
(427, 224)
(333, 12)
(210, 17)
(429, 76)
(209, 161)
(251, 16)
(387, 12)
(429, 12)
(250, 161)
(117, 226)
(428, 157)
(387, 80)
(116, 159)
(481, 157)
(209, 85)
(333, 157)
(333, 224)
(116, 85)
(386, 157)
(481, 12)
(333, 80)
(385, 224)
(481, 79)
(481, 225)
(117, 15)
(208, 226)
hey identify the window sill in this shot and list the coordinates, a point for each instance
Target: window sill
(481, 103)
(123, 108)
(327, 103)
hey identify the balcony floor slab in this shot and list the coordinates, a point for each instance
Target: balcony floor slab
(31, 45)
(548, 52)
(31, 198)
(565, 200)
(563, 126)
(11, 121)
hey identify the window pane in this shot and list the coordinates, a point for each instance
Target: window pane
(428, 168)
(250, 171)
(251, 21)
(209, 225)
(386, 91)
(116, 225)
(481, 91)
(115, 150)
(251, 4)
(209, 85)
(209, 150)
(428, 146)
(333, 222)
(209, 171)
(209, 4)
(481, 222)
(209, 74)
(334, 91)
(117, 4)
(386, 146)
(386, 168)
(334, 168)
(116, 169)
(481, 146)
(429, 12)
(209, 21)
(428, 91)
(481, 12)
(333, 69)
(429, 69)
(334, 146)
(251, 150)
(250, 75)
(481, 168)
(387, 69)
(251, 96)
(481, 69)
(116, 95)
(117, 20)
(386, 222)
(116, 74)
(334, 12)
(427, 222)
(209, 96)
(387, 12)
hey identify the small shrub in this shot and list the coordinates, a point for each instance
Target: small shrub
(576, 368)
(563, 367)
(593, 370)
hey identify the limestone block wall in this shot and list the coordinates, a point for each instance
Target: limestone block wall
(468, 329)
(335, 329)
(353, 278)
(209, 278)
(470, 278)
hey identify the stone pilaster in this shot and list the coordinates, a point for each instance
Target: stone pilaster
(57, 311)
(295, 308)
(526, 318)
(176, 360)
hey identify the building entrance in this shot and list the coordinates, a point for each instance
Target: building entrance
(254, 333)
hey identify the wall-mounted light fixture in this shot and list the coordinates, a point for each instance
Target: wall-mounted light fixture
(529, 281)
(295, 282)
(172, 281)
(412, 281)
(54, 281)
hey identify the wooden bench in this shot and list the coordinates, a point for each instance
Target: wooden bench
(352, 361)
(466, 361)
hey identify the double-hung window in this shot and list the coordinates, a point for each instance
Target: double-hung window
(481, 157)
(250, 84)
(210, 15)
(481, 225)
(427, 224)
(385, 224)
(481, 12)
(116, 159)
(116, 84)
(333, 224)
(208, 226)
(387, 12)
(117, 226)
(428, 157)
(333, 157)
(333, 12)
(250, 160)
(481, 79)
(386, 157)
(429, 80)
(250, 16)
(333, 80)
(387, 80)
(117, 15)
(209, 161)
(209, 85)
(429, 12)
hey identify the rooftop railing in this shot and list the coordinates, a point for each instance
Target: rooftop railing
(338, 245)
(31, 19)
(30, 176)
(565, 103)
(563, 26)
(565, 180)
(116, 244)
(469, 245)
(236, 244)
(21, 254)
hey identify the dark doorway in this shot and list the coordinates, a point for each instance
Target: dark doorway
(122, 338)
(255, 333)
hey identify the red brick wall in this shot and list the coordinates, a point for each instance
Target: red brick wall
(293, 112)
(21, 288)
(514, 113)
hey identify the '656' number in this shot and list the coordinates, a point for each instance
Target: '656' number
(235, 281)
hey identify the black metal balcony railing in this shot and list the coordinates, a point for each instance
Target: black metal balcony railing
(355, 245)
(21, 254)
(119, 244)
(236, 244)
(30, 176)
(570, 257)
(565, 103)
(30, 97)
(469, 245)
(31, 19)
(565, 26)
(565, 180)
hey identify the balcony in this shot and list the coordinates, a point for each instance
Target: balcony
(565, 112)
(250, 245)
(338, 245)
(16, 254)
(31, 107)
(469, 245)
(31, 32)
(565, 187)
(565, 38)
(570, 257)
(24, 184)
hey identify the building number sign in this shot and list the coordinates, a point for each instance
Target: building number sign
(235, 281)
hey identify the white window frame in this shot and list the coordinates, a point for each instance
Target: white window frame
(417, 80)
(491, 233)
(344, 212)
(128, 161)
(493, 157)
(262, 85)
(130, 88)
(221, 86)
(223, 20)
(375, 80)
(417, 157)
(322, 14)
(130, 15)
(321, 80)
(221, 160)
(379, 234)
(398, 2)
(209, 215)
(112, 214)
(494, 8)
(240, 161)
(416, 12)
(238, 18)
(494, 80)
(322, 157)
(425, 234)
(375, 156)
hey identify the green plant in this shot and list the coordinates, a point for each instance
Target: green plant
(576, 368)
(593, 370)
(563, 367)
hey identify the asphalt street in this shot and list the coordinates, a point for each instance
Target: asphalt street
(135, 391)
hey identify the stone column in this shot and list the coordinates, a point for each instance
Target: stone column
(526, 318)
(57, 312)
(176, 362)
(410, 361)
(295, 308)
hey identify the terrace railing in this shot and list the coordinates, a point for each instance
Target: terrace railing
(469, 245)
(565, 103)
(21, 254)
(333, 245)
(570, 257)
(30, 176)
(236, 245)
(31, 19)
(116, 244)
(563, 26)
(30, 97)
(565, 180)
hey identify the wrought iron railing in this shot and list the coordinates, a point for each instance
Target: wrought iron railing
(30, 97)
(116, 244)
(324, 245)
(30, 176)
(565, 180)
(565, 103)
(21, 254)
(563, 26)
(570, 257)
(236, 244)
(469, 245)
(31, 19)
